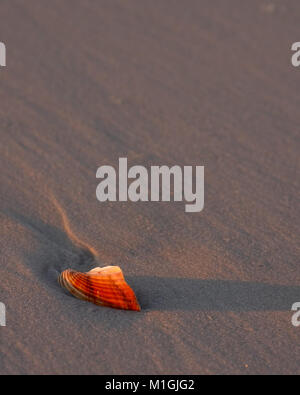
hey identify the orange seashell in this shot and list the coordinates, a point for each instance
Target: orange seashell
(104, 286)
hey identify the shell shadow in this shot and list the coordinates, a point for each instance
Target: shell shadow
(188, 294)
(59, 252)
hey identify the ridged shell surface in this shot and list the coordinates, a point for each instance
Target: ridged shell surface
(102, 286)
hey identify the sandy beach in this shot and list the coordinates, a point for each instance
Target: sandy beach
(206, 83)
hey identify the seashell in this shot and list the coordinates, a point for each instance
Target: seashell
(104, 286)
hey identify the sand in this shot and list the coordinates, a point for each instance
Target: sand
(161, 83)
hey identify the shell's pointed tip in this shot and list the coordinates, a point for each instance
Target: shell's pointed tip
(103, 286)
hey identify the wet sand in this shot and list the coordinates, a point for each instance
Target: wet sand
(161, 83)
